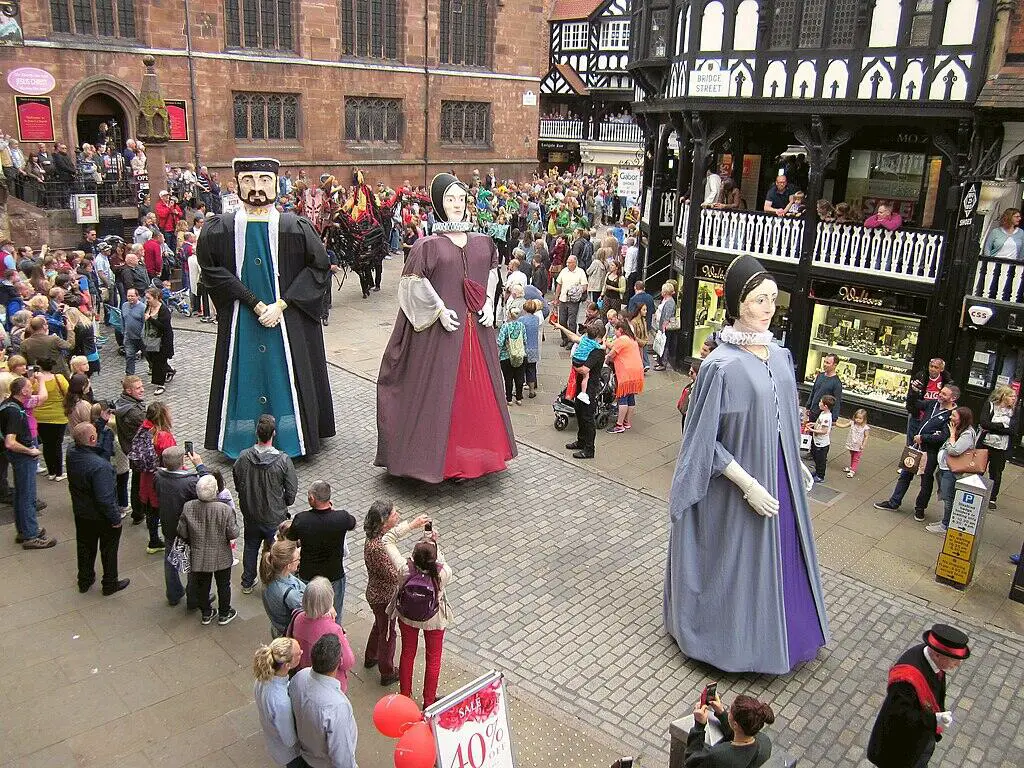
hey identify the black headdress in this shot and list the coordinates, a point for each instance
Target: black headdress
(438, 187)
(739, 278)
(255, 165)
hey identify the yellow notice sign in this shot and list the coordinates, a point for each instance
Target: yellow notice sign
(953, 568)
(958, 544)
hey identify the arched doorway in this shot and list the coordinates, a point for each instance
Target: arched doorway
(98, 99)
(101, 119)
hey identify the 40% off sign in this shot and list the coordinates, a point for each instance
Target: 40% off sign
(471, 725)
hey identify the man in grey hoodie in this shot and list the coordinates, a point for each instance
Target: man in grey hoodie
(266, 484)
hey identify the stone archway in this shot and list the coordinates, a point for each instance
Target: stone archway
(98, 85)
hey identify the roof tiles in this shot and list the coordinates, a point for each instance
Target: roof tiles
(567, 10)
(1004, 91)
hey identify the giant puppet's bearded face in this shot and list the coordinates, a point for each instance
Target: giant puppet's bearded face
(257, 189)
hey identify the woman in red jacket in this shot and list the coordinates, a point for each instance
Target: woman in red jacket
(158, 424)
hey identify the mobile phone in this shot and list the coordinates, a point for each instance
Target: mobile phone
(189, 447)
(429, 526)
(708, 694)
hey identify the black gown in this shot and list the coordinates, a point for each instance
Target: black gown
(904, 732)
(303, 274)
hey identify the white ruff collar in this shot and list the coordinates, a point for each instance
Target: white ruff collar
(453, 226)
(730, 335)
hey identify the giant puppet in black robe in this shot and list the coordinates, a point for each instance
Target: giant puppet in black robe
(266, 272)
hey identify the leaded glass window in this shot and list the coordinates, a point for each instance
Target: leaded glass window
(466, 122)
(812, 23)
(373, 120)
(95, 18)
(465, 33)
(262, 117)
(921, 23)
(369, 28)
(844, 23)
(262, 24)
(783, 21)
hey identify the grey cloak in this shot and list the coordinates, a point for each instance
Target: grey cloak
(724, 593)
(416, 386)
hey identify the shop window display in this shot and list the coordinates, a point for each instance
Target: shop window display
(876, 352)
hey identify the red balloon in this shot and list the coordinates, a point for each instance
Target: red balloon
(393, 715)
(416, 748)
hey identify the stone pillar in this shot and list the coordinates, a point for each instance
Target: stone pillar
(154, 128)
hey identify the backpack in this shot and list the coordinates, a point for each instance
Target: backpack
(417, 597)
(142, 452)
(516, 347)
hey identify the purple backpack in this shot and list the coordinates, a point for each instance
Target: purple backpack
(417, 597)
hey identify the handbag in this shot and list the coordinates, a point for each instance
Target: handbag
(970, 462)
(660, 340)
(179, 557)
(150, 336)
(912, 459)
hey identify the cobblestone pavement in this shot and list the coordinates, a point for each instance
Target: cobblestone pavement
(558, 576)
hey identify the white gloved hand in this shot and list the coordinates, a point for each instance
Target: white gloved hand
(945, 719)
(272, 315)
(449, 320)
(808, 478)
(755, 494)
(486, 318)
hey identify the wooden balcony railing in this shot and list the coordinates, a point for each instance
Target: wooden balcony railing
(561, 129)
(586, 130)
(761, 235)
(622, 133)
(911, 254)
(999, 279)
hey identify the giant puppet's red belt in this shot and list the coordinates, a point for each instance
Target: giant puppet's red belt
(906, 673)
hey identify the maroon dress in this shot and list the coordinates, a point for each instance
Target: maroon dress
(441, 410)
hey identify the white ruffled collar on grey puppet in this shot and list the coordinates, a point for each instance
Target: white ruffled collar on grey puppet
(732, 335)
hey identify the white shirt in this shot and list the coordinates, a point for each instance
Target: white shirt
(632, 259)
(824, 422)
(275, 711)
(324, 722)
(516, 278)
(712, 185)
(568, 278)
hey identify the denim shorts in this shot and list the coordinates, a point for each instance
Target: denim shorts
(627, 400)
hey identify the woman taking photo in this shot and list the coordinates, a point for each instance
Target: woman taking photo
(998, 423)
(270, 667)
(1006, 241)
(158, 425)
(427, 563)
(962, 438)
(624, 357)
(318, 618)
(282, 589)
(158, 339)
(742, 745)
(614, 287)
(382, 583)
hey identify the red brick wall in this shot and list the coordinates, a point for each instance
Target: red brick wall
(1016, 42)
(520, 49)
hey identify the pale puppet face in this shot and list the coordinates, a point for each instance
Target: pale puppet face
(758, 308)
(455, 203)
(257, 188)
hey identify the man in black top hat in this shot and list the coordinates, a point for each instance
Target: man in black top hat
(914, 713)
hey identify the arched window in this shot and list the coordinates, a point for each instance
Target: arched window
(745, 33)
(712, 27)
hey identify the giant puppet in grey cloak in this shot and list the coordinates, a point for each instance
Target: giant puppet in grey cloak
(742, 587)
(266, 272)
(441, 410)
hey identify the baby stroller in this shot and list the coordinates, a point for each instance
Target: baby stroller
(177, 301)
(564, 408)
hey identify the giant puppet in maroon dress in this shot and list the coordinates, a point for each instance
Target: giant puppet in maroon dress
(441, 411)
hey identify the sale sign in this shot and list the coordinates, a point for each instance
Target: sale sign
(471, 725)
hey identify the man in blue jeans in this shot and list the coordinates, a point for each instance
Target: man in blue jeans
(320, 532)
(266, 483)
(133, 314)
(175, 484)
(24, 460)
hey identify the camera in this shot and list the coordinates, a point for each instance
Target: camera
(31, 369)
(110, 405)
(429, 526)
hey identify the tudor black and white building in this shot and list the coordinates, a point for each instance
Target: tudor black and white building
(864, 103)
(586, 94)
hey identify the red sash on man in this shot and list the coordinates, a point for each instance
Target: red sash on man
(906, 673)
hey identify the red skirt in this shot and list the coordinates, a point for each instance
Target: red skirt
(478, 442)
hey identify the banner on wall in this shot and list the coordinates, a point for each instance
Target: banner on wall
(35, 118)
(177, 111)
(471, 725)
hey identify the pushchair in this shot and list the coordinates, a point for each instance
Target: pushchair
(564, 408)
(177, 301)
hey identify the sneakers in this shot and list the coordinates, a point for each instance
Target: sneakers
(247, 590)
(818, 478)
(919, 515)
(41, 469)
(850, 473)
(19, 539)
(226, 618)
(584, 398)
(992, 504)
(1015, 559)
(847, 469)
(152, 549)
(159, 391)
(389, 680)
(886, 505)
(207, 618)
(57, 478)
(935, 528)
(39, 542)
(615, 429)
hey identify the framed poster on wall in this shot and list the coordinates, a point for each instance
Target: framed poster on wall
(35, 118)
(87, 209)
(177, 112)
